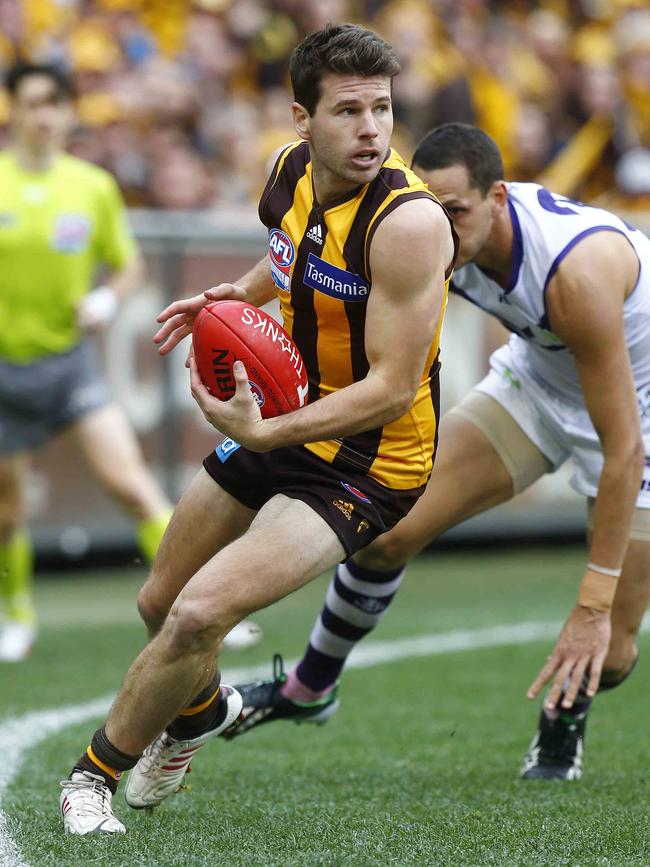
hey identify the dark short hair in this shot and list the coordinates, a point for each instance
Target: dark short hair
(22, 70)
(343, 49)
(454, 144)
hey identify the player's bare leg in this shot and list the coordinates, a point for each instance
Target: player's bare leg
(468, 477)
(115, 458)
(205, 520)
(17, 615)
(255, 570)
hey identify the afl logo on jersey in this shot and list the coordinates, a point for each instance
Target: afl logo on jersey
(282, 254)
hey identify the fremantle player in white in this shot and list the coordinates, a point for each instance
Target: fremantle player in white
(572, 283)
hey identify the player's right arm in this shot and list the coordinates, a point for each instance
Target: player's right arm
(404, 310)
(256, 287)
(585, 304)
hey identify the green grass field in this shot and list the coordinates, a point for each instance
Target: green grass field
(419, 766)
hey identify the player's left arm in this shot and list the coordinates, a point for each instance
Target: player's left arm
(117, 250)
(585, 307)
(409, 253)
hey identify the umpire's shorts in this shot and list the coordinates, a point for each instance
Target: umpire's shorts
(40, 398)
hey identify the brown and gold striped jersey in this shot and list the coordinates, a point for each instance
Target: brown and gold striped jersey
(319, 260)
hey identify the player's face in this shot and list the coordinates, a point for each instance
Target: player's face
(349, 132)
(42, 117)
(473, 214)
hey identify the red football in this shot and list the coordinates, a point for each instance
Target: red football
(229, 331)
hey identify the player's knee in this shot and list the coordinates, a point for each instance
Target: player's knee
(152, 608)
(192, 629)
(622, 651)
(619, 660)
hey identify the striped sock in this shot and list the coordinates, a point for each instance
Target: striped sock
(356, 601)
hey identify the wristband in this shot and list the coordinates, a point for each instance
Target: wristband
(604, 570)
(598, 589)
(100, 305)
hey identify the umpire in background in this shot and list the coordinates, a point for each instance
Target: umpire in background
(61, 219)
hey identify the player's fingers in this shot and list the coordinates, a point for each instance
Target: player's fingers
(559, 680)
(176, 321)
(544, 676)
(169, 311)
(174, 339)
(575, 680)
(226, 291)
(242, 384)
(183, 306)
(199, 391)
(595, 671)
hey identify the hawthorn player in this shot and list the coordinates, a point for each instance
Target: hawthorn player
(287, 497)
(572, 283)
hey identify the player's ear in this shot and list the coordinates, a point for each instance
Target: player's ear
(301, 120)
(499, 194)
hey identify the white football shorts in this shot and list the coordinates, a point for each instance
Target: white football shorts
(560, 428)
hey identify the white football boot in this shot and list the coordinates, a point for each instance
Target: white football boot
(245, 634)
(86, 805)
(16, 641)
(163, 765)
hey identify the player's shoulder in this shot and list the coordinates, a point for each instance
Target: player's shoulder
(419, 226)
(397, 176)
(293, 155)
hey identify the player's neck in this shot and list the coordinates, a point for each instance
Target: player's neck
(33, 159)
(329, 188)
(496, 255)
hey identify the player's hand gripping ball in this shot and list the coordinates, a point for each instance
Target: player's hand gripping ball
(229, 331)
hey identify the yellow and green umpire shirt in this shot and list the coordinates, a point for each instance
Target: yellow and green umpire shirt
(56, 228)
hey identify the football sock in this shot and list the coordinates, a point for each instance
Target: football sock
(104, 759)
(149, 532)
(357, 599)
(16, 569)
(301, 694)
(205, 711)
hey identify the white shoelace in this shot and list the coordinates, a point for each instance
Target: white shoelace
(154, 751)
(91, 797)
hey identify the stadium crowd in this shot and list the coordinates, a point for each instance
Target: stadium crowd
(183, 101)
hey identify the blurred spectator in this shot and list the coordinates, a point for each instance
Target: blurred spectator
(562, 85)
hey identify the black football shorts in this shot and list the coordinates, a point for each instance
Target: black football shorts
(355, 506)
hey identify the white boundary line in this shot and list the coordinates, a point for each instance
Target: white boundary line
(20, 734)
